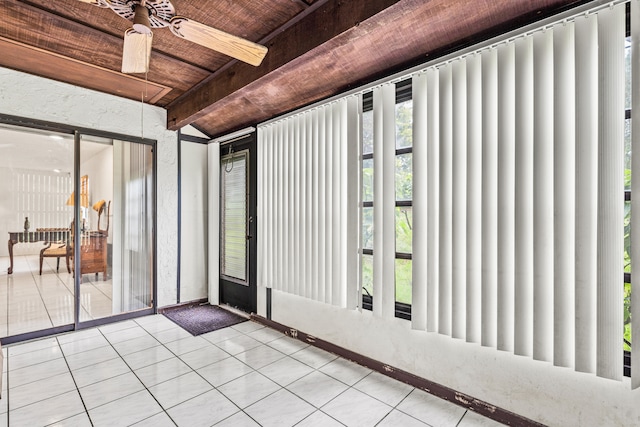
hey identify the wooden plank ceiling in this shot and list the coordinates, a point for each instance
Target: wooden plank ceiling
(317, 48)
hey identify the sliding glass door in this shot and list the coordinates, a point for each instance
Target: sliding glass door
(78, 214)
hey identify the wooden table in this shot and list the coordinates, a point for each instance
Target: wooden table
(46, 235)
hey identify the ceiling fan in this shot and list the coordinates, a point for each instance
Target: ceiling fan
(148, 14)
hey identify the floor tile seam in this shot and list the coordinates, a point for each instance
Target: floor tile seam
(87, 409)
(318, 368)
(100, 290)
(141, 382)
(208, 364)
(84, 351)
(55, 422)
(461, 418)
(155, 332)
(191, 398)
(117, 330)
(27, 366)
(131, 339)
(338, 379)
(324, 404)
(39, 378)
(77, 389)
(243, 375)
(42, 298)
(232, 415)
(397, 408)
(318, 410)
(261, 399)
(379, 400)
(268, 364)
(64, 391)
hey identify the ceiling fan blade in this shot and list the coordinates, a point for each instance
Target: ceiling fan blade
(99, 3)
(136, 52)
(236, 47)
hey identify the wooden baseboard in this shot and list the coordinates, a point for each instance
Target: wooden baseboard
(483, 408)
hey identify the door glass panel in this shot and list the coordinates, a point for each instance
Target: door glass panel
(36, 179)
(233, 186)
(116, 227)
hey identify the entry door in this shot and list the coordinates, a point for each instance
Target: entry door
(238, 224)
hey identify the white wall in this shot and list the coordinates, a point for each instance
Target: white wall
(193, 242)
(33, 97)
(99, 169)
(537, 390)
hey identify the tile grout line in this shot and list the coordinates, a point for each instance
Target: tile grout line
(137, 377)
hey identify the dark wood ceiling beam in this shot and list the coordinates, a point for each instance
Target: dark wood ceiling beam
(45, 30)
(325, 22)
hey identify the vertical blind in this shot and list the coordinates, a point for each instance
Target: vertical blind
(518, 190)
(308, 203)
(518, 196)
(41, 196)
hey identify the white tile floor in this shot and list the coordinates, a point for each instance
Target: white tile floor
(150, 372)
(30, 301)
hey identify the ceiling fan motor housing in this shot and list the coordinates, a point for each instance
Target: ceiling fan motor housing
(160, 11)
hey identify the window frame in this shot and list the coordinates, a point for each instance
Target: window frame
(403, 94)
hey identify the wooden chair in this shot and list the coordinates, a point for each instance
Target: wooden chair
(57, 250)
(93, 250)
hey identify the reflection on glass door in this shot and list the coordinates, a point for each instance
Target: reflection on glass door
(36, 179)
(116, 249)
(58, 271)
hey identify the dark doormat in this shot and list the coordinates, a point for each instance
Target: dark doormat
(202, 318)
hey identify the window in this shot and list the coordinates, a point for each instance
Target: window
(403, 199)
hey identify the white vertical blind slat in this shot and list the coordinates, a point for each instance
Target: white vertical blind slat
(474, 199)
(388, 200)
(295, 193)
(635, 185)
(489, 198)
(523, 331)
(433, 198)
(351, 174)
(446, 188)
(459, 199)
(328, 200)
(611, 36)
(302, 203)
(336, 192)
(322, 201)
(543, 196)
(564, 195)
(315, 209)
(420, 257)
(506, 192)
(279, 169)
(586, 102)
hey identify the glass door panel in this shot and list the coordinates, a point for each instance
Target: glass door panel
(233, 251)
(36, 180)
(116, 245)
